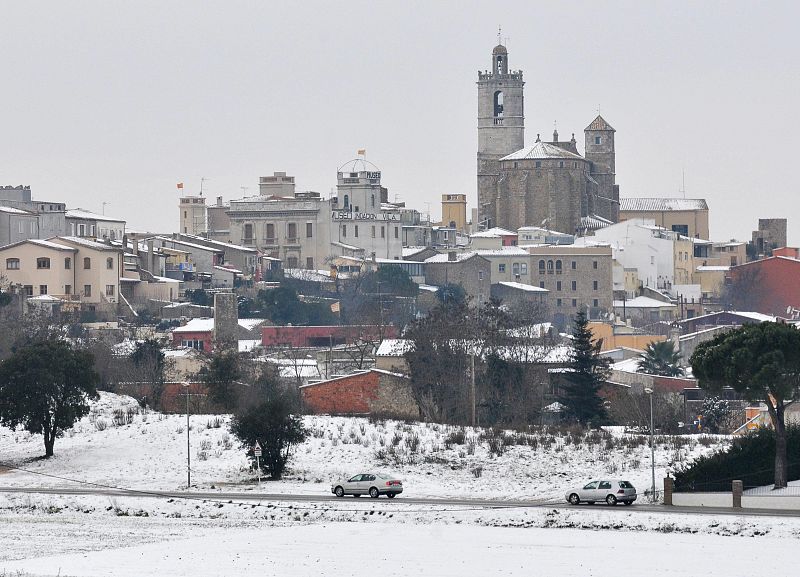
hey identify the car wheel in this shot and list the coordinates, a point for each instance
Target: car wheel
(611, 500)
(373, 492)
(629, 502)
(574, 499)
(339, 492)
(391, 495)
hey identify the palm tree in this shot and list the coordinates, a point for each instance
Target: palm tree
(661, 359)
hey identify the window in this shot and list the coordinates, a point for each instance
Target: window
(291, 231)
(196, 344)
(396, 232)
(574, 285)
(310, 263)
(270, 231)
(595, 303)
(110, 263)
(291, 262)
(523, 268)
(558, 267)
(373, 201)
(67, 263)
(594, 285)
(12, 263)
(185, 215)
(549, 267)
(21, 227)
(248, 232)
(28, 290)
(42, 289)
(373, 231)
(109, 290)
(498, 101)
(598, 140)
(541, 267)
(87, 290)
(560, 164)
(81, 230)
(383, 231)
(538, 164)
(346, 201)
(541, 284)
(344, 230)
(574, 265)
(42, 262)
(515, 268)
(480, 275)
(355, 230)
(594, 265)
(501, 268)
(558, 302)
(87, 263)
(574, 302)
(558, 285)
(309, 230)
(67, 289)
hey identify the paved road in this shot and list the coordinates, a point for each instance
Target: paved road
(400, 501)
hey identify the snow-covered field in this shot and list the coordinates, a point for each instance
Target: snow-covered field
(121, 447)
(117, 445)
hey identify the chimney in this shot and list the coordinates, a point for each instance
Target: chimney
(219, 201)
(150, 259)
(451, 256)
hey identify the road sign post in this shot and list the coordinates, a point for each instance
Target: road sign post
(257, 453)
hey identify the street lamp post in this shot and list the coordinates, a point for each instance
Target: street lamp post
(649, 391)
(188, 446)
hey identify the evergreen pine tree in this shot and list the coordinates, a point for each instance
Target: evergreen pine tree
(587, 371)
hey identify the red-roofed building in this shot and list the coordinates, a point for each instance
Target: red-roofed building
(772, 282)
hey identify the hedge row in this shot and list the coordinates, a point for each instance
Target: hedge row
(750, 458)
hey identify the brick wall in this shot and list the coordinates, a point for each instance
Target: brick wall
(361, 393)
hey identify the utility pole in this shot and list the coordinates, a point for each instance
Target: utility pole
(188, 442)
(472, 388)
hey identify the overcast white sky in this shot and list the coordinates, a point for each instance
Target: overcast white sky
(117, 102)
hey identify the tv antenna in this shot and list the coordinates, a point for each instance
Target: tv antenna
(683, 183)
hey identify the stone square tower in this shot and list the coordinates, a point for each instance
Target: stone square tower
(501, 128)
(600, 153)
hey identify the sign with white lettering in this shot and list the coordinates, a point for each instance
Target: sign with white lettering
(347, 215)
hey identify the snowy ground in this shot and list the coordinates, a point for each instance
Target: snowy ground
(94, 535)
(119, 446)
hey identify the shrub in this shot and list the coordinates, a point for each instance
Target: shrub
(457, 437)
(750, 458)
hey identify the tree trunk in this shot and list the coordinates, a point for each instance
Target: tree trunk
(49, 441)
(781, 458)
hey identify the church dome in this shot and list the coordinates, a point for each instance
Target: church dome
(542, 150)
(358, 165)
(499, 49)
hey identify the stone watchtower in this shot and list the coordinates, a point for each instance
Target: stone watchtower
(600, 153)
(501, 128)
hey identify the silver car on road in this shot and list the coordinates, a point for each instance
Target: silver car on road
(372, 484)
(612, 491)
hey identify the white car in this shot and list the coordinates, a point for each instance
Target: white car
(372, 484)
(612, 491)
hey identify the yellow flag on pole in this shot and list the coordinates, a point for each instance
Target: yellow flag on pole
(362, 152)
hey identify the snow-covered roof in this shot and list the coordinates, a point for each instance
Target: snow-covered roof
(228, 269)
(12, 210)
(86, 242)
(642, 302)
(439, 258)
(88, 215)
(524, 287)
(393, 347)
(495, 232)
(220, 244)
(713, 268)
(196, 326)
(247, 345)
(412, 250)
(662, 204)
(541, 150)
(428, 288)
(251, 324)
(44, 299)
(504, 251)
(42, 243)
(758, 317)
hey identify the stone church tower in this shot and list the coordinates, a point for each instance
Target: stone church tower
(600, 153)
(501, 128)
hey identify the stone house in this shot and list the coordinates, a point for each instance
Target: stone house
(686, 216)
(468, 269)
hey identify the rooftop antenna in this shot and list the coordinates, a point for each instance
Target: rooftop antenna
(244, 190)
(683, 183)
(202, 181)
(104, 208)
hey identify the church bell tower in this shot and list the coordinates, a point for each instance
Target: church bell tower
(501, 128)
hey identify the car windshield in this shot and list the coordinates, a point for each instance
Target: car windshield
(625, 485)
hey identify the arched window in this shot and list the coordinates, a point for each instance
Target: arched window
(109, 263)
(558, 267)
(346, 201)
(498, 104)
(541, 267)
(549, 267)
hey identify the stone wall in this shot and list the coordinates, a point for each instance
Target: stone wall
(372, 392)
